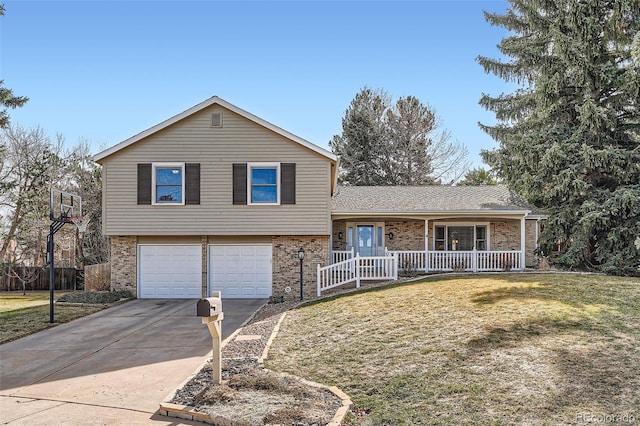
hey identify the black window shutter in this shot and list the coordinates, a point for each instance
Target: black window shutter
(240, 183)
(144, 183)
(192, 183)
(288, 183)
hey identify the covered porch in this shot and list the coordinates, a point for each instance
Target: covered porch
(385, 249)
(427, 229)
(496, 243)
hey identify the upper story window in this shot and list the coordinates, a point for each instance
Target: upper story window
(168, 183)
(263, 183)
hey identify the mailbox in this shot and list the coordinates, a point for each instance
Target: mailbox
(209, 307)
(210, 310)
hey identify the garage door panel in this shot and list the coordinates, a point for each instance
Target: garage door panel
(240, 271)
(170, 271)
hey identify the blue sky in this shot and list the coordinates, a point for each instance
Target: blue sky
(106, 70)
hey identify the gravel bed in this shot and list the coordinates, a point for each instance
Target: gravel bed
(252, 395)
(253, 348)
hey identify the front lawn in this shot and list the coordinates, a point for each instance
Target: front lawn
(21, 315)
(484, 349)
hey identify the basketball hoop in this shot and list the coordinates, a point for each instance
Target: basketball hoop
(81, 222)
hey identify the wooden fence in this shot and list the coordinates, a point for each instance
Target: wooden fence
(38, 278)
(97, 277)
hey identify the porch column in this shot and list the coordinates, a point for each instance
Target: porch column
(426, 245)
(523, 245)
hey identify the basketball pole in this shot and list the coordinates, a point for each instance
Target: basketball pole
(53, 228)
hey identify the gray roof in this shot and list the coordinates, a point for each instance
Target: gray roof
(427, 199)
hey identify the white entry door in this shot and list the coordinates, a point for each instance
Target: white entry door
(240, 271)
(169, 271)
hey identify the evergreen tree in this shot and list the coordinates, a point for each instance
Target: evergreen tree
(570, 135)
(359, 146)
(7, 99)
(385, 143)
(478, 176)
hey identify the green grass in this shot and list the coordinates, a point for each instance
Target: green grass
(21, 315)
(486, 349)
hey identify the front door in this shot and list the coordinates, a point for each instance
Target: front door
(366, 239)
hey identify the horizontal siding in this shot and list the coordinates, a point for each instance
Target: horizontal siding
(248, 239)
(179, 239)
(216, 149)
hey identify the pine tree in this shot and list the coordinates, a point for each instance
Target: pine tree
(570, 135)
(7, 99)
(478, 177)
(386, 143)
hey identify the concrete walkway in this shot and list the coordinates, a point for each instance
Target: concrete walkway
(112, 367)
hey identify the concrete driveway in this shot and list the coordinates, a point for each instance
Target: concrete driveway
(112, 367)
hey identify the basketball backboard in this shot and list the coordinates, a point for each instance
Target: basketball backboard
(64, 205)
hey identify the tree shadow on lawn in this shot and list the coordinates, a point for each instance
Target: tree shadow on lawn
(575, 290)
(587, 342)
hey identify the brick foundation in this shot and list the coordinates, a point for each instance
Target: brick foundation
(124, 271)
(286, 270)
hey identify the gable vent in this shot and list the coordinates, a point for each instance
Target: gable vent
(216, 119)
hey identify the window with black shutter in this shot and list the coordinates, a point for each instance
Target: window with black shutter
(169, 183)
(192, 183)
(288, 183)
(240, 183)
(144, 183)
(264, 183)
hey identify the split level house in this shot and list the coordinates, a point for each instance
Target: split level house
(218, 199)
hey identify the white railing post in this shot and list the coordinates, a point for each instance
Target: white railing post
(474, 260)
(318, 281)
(395, 266)
(357, 266)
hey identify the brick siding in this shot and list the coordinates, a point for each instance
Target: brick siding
(286, 270)
(124, 271)
(407, 235)
(339, 244)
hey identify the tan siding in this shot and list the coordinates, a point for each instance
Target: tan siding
(249, 239)
(180, 239)
(216, 149)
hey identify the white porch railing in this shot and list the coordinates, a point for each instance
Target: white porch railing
(357, 269)
(474, 261)
(338, 256)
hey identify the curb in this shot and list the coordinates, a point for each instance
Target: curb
(188, 412)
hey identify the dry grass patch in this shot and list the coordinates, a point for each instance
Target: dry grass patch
(21, 315)
(486, 349)
(251, 395)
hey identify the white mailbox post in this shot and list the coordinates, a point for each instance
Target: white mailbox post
(210, 310)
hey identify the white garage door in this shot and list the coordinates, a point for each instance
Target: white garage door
(170, 271)
(240, 271)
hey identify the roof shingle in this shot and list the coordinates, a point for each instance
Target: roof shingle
(427, 199)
